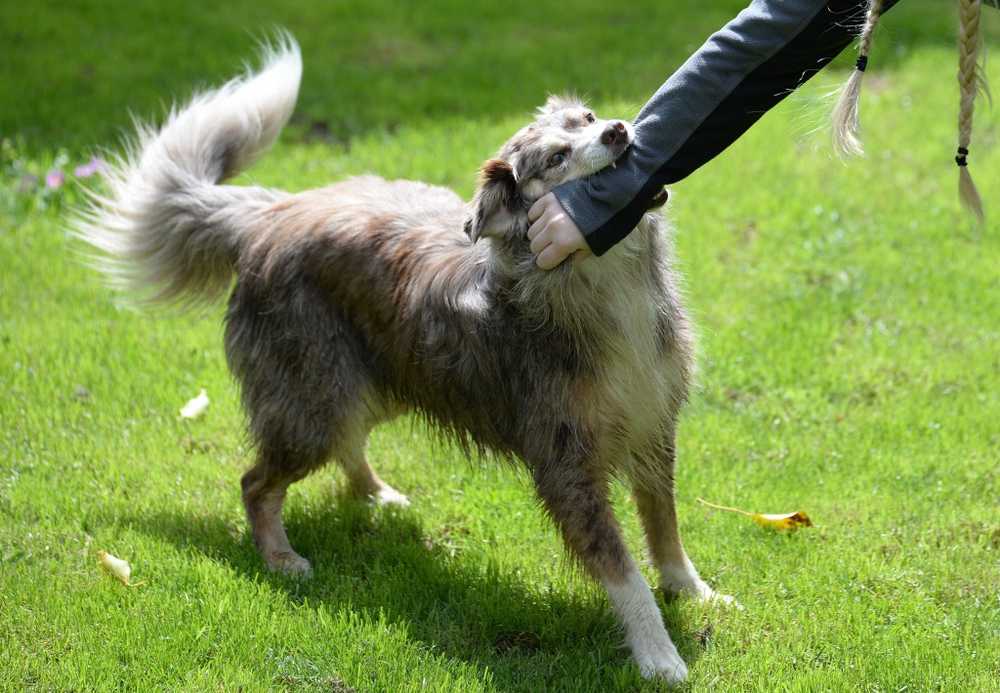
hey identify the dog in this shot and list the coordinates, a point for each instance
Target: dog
(360, 301)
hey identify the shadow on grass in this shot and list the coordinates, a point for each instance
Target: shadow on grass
(376, 561)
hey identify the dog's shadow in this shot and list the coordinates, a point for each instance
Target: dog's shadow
(377, 562)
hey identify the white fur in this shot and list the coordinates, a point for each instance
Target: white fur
(640, 384)
(681, 577)
(387, 495)
(651, 646)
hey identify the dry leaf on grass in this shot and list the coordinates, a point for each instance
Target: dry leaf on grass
(786, 522)
(117, 567)
(195, 407)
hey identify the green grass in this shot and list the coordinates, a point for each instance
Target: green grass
(848, 320)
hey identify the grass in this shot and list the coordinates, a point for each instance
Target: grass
(849, 367)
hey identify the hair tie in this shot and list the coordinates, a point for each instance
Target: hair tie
(862, 63)
(960, 159)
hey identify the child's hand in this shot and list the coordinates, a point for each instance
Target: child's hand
(553, 234)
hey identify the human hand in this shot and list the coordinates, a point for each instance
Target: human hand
(553, 234)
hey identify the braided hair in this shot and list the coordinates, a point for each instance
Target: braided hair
(970, 80)
(846, 125)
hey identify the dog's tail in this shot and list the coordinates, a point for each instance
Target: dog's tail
(166, 230)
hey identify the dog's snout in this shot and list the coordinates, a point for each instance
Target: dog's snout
(614, 133)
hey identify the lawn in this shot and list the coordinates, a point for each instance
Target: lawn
(849, 323)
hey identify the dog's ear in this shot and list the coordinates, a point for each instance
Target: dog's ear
(494, 206)
(559, 102)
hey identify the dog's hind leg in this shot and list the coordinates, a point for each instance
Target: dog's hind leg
(578, 502)
(362, 480)
(264, 489)
(653, 489)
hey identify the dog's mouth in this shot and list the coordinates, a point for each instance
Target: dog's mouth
(618, 151)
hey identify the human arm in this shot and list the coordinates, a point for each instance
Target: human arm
(741, 72)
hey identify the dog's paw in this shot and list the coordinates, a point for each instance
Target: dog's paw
(699, 590)
(664, 664)
(714, 597)
(705, 594)
(387, 495)
(683, 580)
(289, 563)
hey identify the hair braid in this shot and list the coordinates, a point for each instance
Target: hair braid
(846, 125)
(970, 80)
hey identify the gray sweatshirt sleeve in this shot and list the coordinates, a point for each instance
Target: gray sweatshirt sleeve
(741, 72)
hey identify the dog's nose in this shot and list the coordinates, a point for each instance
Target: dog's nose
(614, 133)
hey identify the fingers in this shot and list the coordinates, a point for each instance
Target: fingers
(543, 236)
(552, 256)
(540, 207)
(539, 215)
(556, 243)
(553, 234)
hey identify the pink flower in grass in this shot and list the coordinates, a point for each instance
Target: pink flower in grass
(88, 169)
(54, 179)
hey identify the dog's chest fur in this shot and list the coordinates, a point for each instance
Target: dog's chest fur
(645, 374)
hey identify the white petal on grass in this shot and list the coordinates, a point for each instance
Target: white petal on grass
(118, 567)
(195, 407)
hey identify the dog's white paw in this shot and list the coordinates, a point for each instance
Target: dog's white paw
(681, 581)
(387, 495)
(705, 594)
(664, 663)
(701, 592)
(289, 563)
(724, 599)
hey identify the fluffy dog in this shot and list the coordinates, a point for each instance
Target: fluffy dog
(369, 298)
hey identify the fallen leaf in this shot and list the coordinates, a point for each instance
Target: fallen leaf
(119, 568)
(786, 522)
(195, 407)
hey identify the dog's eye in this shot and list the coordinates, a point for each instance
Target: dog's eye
(590, 117)
(557, 159)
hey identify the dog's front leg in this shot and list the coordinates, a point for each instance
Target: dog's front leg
(578, 503)
(653, 488)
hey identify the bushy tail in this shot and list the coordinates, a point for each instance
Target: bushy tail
(166, 230)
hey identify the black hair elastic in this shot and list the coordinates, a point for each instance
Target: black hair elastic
(862, 63)
(960, 159)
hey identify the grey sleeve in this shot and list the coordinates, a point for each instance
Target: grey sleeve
(742, 71)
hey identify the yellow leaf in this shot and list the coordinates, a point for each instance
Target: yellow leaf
(787, 522)
(117, 567)
(783, 523)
